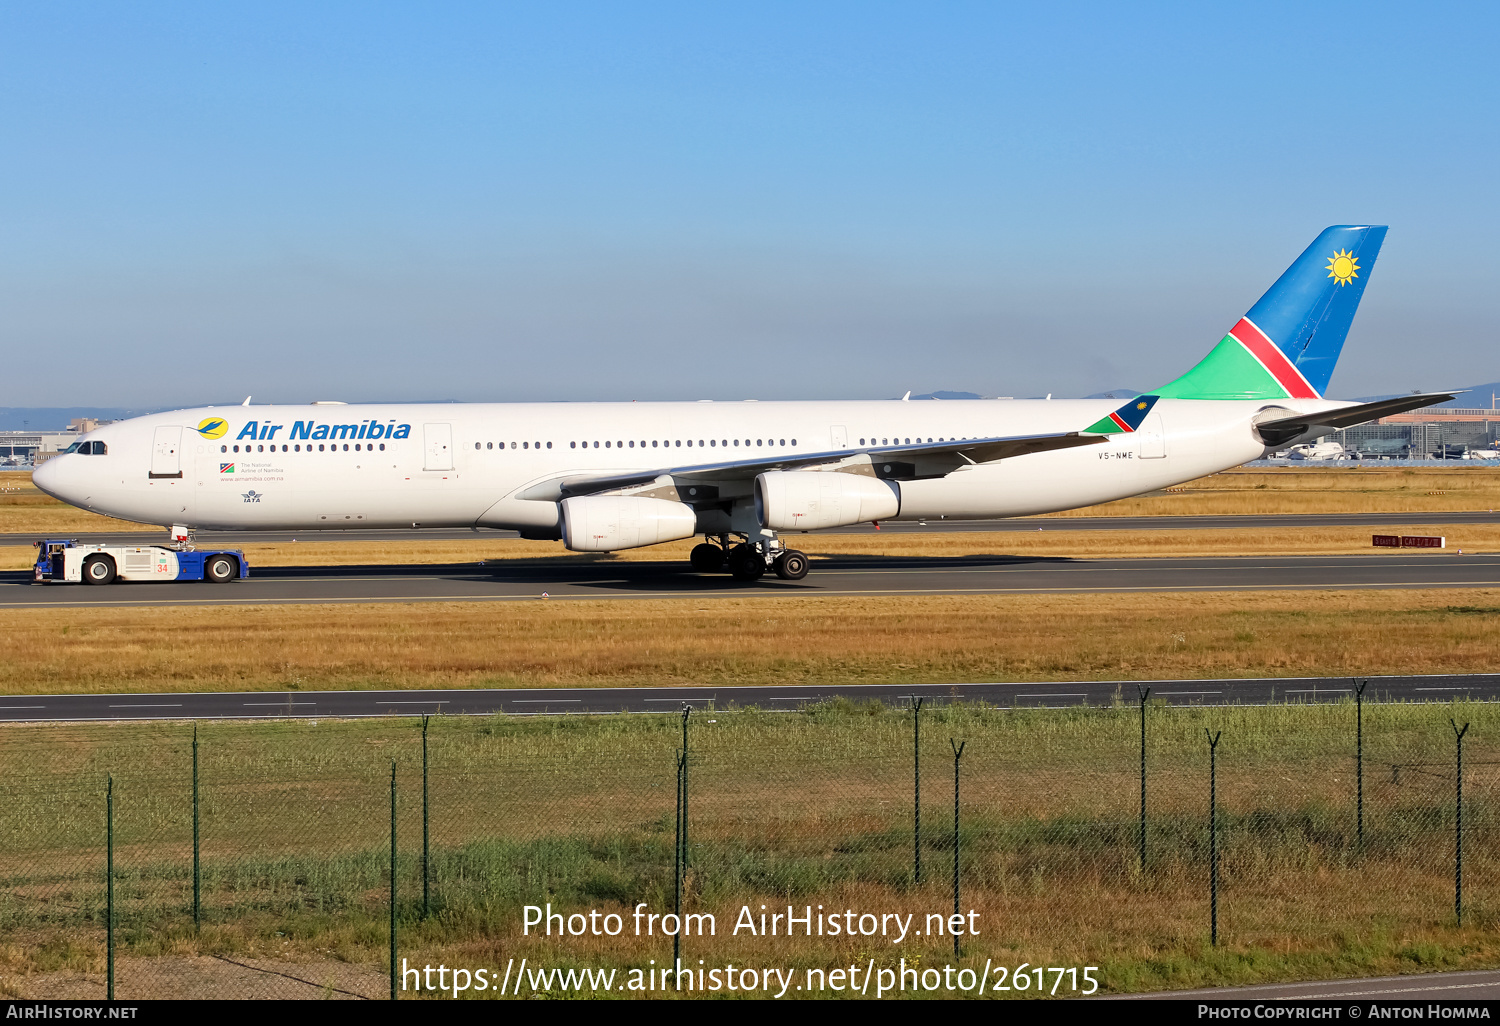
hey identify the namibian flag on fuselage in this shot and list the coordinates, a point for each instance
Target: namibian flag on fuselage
(1286, 346)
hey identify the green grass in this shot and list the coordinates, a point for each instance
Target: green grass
(807, 808)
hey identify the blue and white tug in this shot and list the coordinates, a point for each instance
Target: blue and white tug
(65, 560)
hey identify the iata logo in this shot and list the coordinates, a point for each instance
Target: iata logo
(213, 427)
(252, 495)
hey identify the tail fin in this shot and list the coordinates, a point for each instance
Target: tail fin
(1288, 343)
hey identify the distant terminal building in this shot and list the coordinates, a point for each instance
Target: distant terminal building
(1434, 433)
(28, 448)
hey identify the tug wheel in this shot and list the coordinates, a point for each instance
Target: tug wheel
(98, 570)
(221, 569)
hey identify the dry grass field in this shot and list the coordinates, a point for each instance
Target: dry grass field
(833, 640)
(26, 510)
(1247, 490)
(810, 808)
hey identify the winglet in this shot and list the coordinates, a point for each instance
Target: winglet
(1126, 419)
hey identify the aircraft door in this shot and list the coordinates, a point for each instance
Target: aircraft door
(839, 436)
(166, 452)
(1153, 438)
(439, 442)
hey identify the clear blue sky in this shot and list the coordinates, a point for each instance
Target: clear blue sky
(634, 201)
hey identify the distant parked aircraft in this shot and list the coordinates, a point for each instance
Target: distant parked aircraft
(1319, 452)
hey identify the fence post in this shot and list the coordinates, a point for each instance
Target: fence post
(686, 711)
(958, 753)
(1359, 757)
(916, 763)
(394, 968)
(1213, 838)
(1144, 693)
(109, 888)
(677, 860)
(426, 852)
(197, 863)
(681, 857)
(1458, 862)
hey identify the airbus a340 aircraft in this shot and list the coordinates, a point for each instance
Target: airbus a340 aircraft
(605, 476)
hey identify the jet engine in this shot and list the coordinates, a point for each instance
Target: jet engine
(793, 500)
(603, 523)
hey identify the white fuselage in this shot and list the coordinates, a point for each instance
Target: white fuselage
(461, 465)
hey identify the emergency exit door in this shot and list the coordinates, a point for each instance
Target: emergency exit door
(439, 442)
(1152, 438)
(166, 452)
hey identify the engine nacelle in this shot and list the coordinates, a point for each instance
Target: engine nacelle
(603, 523)
(805, 500)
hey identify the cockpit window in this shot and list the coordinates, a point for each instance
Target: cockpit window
(100, 449)
(71, 448)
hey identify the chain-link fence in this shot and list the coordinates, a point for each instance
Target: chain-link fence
(260, 863)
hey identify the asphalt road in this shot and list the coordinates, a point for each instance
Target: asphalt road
(521, 701)
(516, 580)
(1375, 521)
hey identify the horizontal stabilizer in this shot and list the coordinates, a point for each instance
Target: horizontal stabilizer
(1282, 430)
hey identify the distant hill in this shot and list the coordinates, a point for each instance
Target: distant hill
(1116, 393)
(1478, 397)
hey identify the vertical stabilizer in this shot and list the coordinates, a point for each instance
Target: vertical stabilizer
(1286, 346)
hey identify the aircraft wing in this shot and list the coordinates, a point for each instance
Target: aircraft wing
(1284, 429)
(893, 462)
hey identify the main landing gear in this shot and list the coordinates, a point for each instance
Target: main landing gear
(749, 561)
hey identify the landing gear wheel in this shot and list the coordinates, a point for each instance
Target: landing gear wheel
(746, 564)
(706, 558)
(791, 565)
(98, 570)
(221, 569)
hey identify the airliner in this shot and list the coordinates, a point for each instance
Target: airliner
(744, 475)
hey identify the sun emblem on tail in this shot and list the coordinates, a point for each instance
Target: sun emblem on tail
(1342, 267)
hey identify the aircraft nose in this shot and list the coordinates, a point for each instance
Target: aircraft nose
(50, 478)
